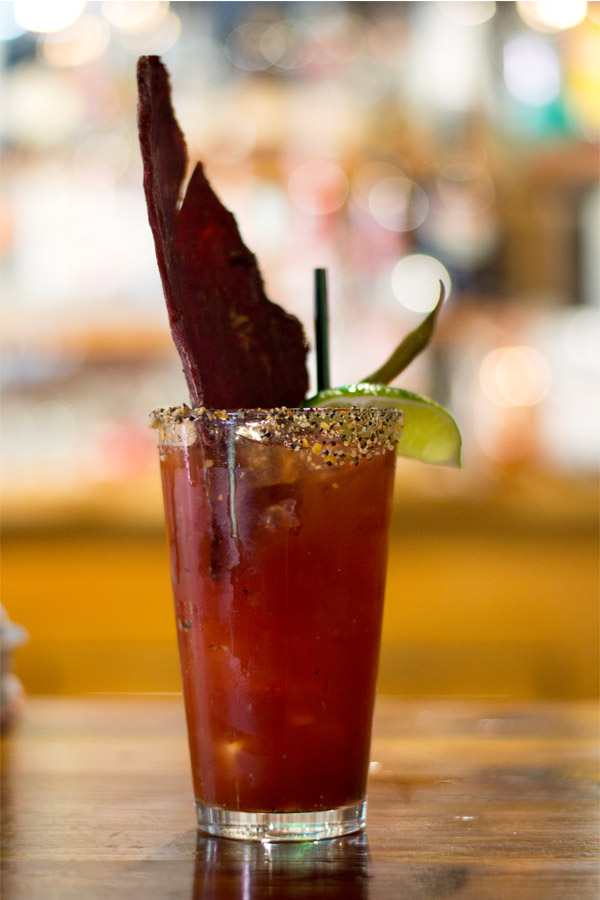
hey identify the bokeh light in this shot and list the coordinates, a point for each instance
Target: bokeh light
(340, 34)
(246, 45)
(83, 42)
(552, 15)
(515, 376)
(531, 70)
(135, 16)
(157, 35)
(257, 45)
(369, 173)
(398, 203)
(47, 15)
(416, 281)
(292, 46)
(475, 12)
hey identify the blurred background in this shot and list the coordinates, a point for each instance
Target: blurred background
(393, 144)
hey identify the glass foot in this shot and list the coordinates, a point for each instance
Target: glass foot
(281, 826)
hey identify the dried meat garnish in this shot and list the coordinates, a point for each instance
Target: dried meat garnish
(239, 350)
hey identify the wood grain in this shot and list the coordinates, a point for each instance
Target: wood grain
(478, 800)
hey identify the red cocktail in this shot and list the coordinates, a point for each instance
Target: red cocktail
(278, 528)
(278, 520)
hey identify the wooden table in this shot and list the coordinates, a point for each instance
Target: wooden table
(477, 800)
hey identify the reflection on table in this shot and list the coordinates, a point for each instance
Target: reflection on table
(476, 798)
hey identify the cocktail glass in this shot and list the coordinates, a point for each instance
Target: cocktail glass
(278, 528)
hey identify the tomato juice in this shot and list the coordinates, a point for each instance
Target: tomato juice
(278, 529)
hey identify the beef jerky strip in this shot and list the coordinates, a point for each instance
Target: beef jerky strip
(239, 350)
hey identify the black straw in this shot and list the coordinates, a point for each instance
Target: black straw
(322, 330)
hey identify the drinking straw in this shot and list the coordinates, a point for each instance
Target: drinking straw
(322, 330)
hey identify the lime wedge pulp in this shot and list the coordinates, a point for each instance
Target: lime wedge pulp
(429, 433)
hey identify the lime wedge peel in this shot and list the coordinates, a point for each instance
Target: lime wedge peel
(429, 433)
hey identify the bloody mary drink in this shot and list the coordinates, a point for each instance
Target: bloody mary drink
(277, 516)
(278, 528)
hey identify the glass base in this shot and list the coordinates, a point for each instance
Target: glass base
(281, 826)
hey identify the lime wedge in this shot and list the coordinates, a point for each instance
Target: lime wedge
(429, 433)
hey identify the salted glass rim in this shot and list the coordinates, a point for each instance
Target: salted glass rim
(176, 414)
(300, 427)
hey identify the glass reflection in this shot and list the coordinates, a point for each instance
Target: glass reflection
(244, 870)
(323, 870)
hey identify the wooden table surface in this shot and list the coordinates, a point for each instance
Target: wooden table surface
(468, 799)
